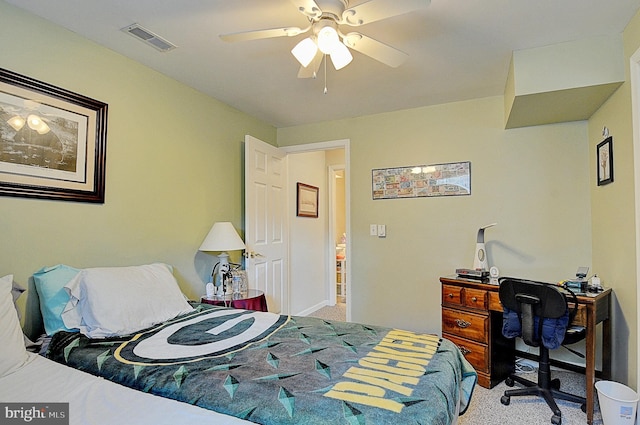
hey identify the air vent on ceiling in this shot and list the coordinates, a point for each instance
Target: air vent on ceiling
(148, 37)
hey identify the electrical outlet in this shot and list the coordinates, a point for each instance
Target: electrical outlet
(373, 230)
(382, 230)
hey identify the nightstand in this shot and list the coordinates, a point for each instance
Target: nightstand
(252, 300)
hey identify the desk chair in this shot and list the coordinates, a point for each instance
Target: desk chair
(534, 301)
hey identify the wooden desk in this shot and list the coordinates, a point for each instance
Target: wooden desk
(470, 319)
(462, 296)
(252, 300)
(597, 310)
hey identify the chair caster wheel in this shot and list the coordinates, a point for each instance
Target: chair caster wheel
(555, 384)
(556, 420)
(509, 382)
(583, 407)
(505, 399)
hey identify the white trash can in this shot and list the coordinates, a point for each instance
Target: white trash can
(618, 403)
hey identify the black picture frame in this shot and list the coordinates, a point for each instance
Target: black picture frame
(52, 141)
(307, 200)
(604, 161)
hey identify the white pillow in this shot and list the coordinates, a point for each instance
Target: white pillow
(113, 301)
(13, 353)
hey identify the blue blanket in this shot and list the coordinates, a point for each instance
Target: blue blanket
(273, 369)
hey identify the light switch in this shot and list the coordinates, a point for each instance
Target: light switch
(373, 230)
(382, 230)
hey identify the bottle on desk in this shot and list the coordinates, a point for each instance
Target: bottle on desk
(595, 285)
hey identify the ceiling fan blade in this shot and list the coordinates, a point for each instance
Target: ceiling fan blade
(376, 10)
(379, 51)
(308, 8)
(268, 33)
(311, 70)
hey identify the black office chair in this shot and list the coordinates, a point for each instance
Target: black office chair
(530, 302)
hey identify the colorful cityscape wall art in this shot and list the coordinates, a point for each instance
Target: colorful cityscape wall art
(452, 179)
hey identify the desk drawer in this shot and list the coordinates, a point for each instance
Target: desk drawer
(494, 302)
(452, 294)
(465, 324)
(474, 352)
(475, 298)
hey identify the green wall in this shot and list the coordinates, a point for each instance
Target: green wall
(174, 163)
(613, 212)
(534, 182)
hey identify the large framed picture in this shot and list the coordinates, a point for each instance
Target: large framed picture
(52, 141)
(604, 152)
(307, 201)
(420, 181)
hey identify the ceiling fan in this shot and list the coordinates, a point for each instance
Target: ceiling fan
(325, 18)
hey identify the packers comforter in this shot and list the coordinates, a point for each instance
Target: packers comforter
(274, 369)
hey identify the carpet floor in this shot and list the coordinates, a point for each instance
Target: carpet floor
(485, 407)
(336, 312)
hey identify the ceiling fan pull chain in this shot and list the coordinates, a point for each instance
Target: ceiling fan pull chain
(325, 74)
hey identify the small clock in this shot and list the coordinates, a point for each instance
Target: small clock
(494, 273)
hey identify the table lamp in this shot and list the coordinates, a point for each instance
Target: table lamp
(222, 237)
(480, 260)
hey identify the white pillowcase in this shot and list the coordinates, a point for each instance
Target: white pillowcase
(13, 353)
(113, 301)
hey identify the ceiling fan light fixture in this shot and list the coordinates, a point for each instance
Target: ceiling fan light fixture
(305, 51)
(340, 56)
(327, 40)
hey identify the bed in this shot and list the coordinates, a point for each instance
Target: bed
(29, 379)
(132, 326)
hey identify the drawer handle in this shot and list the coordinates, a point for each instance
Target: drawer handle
(462, 323)
(450, 295)
(474, 299)
(464, 350)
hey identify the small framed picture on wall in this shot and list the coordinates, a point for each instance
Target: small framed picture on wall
(604, 153)
(307, 201)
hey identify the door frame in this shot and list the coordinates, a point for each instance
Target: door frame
(323, 146)
(635, 114)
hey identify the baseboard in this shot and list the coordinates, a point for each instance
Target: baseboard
(312, 309)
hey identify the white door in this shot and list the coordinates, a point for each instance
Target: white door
(266, 222)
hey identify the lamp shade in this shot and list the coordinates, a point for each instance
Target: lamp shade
(305, 51)
(341, 56)
(222, 237)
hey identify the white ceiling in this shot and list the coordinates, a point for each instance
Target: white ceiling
(458, 49)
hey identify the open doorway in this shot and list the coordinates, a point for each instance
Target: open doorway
(304, 298)
(338, 231)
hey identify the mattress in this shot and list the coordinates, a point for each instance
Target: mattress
(96, 401)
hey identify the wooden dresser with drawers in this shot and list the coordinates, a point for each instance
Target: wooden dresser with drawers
(472, 319)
